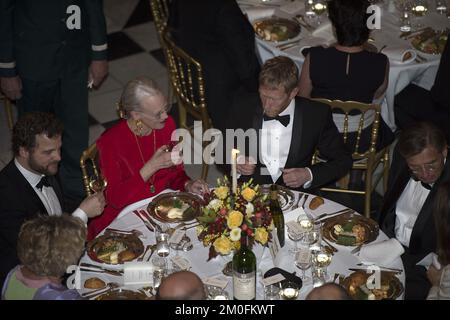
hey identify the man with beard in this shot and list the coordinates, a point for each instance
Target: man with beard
(28, 185)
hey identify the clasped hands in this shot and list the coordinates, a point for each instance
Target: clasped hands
(292, 177)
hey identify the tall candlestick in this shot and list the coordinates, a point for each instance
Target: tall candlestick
(234, 153)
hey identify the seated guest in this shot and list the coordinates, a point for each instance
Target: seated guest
(134, 155)
(440, 278)
(293, 128)
(182, 285)
(28, 185)
(218, 35)
(347, 71)
(418, 168)
(329, 291)
(415, 103)
(46, 247)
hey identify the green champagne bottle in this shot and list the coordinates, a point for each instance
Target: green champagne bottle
(277, 213)
(244, 272)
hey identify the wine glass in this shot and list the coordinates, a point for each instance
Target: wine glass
(303, 262)
(319, 7)
(289, 290)
(162, 245)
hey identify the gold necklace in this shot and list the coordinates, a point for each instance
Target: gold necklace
(152, 178)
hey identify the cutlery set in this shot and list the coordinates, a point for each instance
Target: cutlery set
(99, 269)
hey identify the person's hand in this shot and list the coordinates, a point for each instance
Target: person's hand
(434, 275)
(11, 87)
(97, 72)
(160, 160)
(93, 205)
(245, 165)
(197, 186)
(296, 177)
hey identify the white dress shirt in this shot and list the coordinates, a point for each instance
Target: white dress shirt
(407, 210)
(275, 144)
(47, 195)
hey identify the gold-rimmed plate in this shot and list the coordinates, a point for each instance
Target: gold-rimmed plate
(276, 29)
(356, 285)
(122, 294)
(115, 248)
(350, 229)
(285, 196)
(175, 207)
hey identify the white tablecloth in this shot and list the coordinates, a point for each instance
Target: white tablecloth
(400, 75)
(341, 262)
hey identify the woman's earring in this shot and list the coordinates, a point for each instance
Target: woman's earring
(139, 126)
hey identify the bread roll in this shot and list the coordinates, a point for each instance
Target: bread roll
(316, 202)
(94, 283)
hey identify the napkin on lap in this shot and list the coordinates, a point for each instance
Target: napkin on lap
(258, 13)
(399, 54)
(382, 253)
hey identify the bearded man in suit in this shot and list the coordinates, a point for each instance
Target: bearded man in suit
(291, 130)
(418, 167)
(28, 185)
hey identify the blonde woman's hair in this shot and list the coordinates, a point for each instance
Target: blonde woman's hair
(134, 92)
(47, 245)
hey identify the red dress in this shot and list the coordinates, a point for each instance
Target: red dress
(120, 162)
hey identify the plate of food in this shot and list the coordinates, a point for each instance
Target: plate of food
(115, 248)
(350, 229)
(122, 294)
(356, 285)
(285, 196)
(276, 29)
(430, 43)
(175, 207)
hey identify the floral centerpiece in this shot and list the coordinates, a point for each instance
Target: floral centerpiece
(227, 217)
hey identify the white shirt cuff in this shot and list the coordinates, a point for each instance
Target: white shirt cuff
(307, 184)
(78, 213)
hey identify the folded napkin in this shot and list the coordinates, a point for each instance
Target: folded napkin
(382, 253)
(399, 54)
(258, 13)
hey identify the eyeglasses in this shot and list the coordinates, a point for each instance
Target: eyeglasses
(159, 115)
(428, 167)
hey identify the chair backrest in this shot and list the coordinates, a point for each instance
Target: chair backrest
(186, 77)
(352, 116)
(160, 12)
(93, 180)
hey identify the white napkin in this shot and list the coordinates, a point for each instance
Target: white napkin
(398, 54)
(292, 7)
(324, 30)
(258, 13)
(382, 253)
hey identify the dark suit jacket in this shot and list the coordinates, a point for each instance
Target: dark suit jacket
(219, 36)
(34, 35)
(313, 129)
(423, 236)
(18, 202)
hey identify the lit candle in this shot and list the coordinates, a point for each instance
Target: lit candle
(419, 8)
(319, 6)
(234, 153)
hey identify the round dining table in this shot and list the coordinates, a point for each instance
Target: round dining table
(342, 261)
(421, 71)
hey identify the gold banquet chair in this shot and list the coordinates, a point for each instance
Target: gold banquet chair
(160, 13)
(186, 77)
(93, 180)
(368, 161)
(8, 110)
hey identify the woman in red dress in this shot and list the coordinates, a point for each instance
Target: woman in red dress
(134, 155)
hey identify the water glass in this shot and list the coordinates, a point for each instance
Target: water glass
(289, 290)
(303, 262)
(272, 292)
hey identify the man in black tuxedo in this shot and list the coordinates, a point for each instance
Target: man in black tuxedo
(414, 103)
(292, 129)
(218, 35)
(418, 167)
(49, 51)
(28, 185)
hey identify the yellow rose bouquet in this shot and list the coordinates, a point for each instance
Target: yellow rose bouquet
(226, 217)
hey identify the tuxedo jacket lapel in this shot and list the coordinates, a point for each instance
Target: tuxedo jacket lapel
(297, 130)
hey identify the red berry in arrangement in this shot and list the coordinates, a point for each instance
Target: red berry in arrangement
(244, 227)
(223, 211)
(249, 232)
(258, 214)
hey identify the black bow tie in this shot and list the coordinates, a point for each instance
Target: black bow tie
(426, 185)
(284, 120)
(43, 182)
